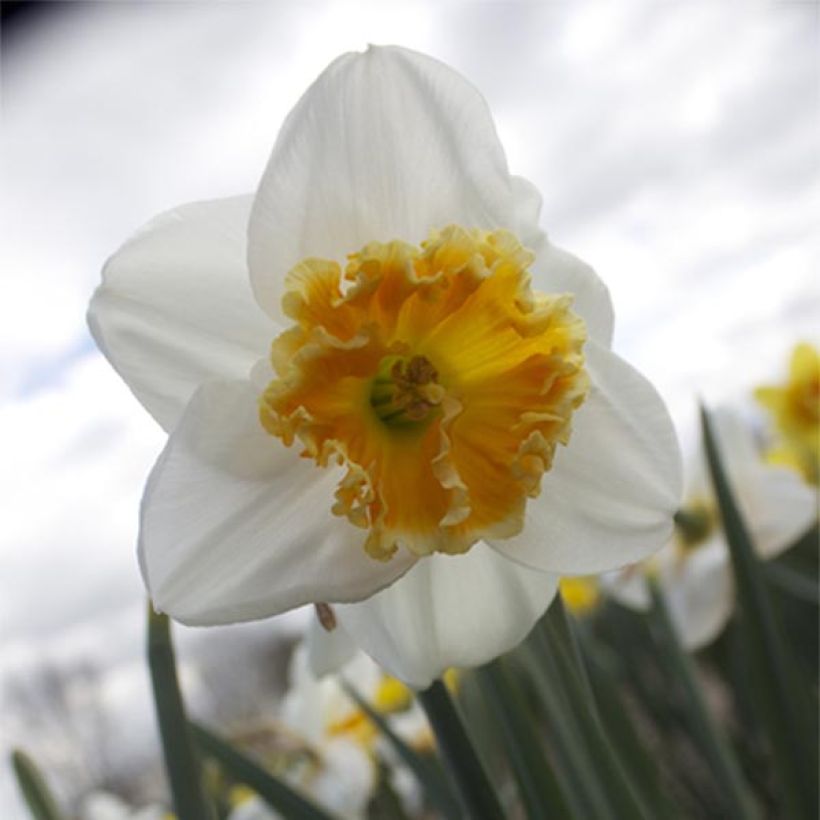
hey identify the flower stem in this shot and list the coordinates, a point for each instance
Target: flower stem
(734, 790)
(786, 704)
(181, 759)
(477, 793)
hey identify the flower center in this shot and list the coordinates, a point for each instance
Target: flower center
(694, 524)
(436, 377)
(405, 391)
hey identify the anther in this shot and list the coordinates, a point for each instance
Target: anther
(405, 391)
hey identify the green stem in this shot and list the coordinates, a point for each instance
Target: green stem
(35, 790)
(739, 803)
(540, 792)
(571, 675)
(427, 772)
(275, 792)
(181, 761)
(477, 794)
(788, 708)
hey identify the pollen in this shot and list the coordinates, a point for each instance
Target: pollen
(405, 391)
(436, 377)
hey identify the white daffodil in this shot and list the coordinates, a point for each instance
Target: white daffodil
(343, 775)
(101, 805)
(329, 653)
(694, 569)
(433, 432)
(341, 745)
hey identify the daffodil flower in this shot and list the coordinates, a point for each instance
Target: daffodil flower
(694, 569)
(324, 703)
(795, 408)
(384, 388)
(102, 805)
(338, 768)
(343, 776)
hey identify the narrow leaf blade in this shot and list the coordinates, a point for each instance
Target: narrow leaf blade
(429, 776)
(540, 792)
(270, 788)
(623, 795)
(733, 790)
(181, 761)
(477, 794)
(788, 711)
(35, 790)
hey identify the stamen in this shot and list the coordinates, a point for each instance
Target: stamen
(405, 391)
(326, 616)
(694, 524)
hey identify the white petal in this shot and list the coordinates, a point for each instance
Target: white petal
(302, 707)
(385, 145)
(628, 587)
(557, 271)
(254, 809)
(411, 725)
(311, 705)
(699, 593)
(777, 505)
(346, 780)
(610, 496)
(236, 526)
(527, 201)
(175, 308)
(408, 789)
(447, 611)
(102, 805)
(327, 651)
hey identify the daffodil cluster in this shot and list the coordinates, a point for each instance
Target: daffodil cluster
(337, 754)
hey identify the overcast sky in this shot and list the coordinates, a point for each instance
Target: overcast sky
(675, 144)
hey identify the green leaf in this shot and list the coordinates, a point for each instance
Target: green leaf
(181, 762)
(732, 788)
(622, 794)
(35, 791)
(275, 792)
(793, 583)
(385, 802)
(574, 766)
(788, 711)
(561, 626)
(639, 764)
(477, 794)
(428, 775)
(540, 792)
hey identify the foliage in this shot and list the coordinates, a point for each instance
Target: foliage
(605, 716)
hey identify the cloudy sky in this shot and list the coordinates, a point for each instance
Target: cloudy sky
(675, 144)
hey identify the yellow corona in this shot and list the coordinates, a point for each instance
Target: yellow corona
(436, 377)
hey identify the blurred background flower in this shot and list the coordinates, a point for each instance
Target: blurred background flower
(794, 406)
(694, 569)
(676, 150)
